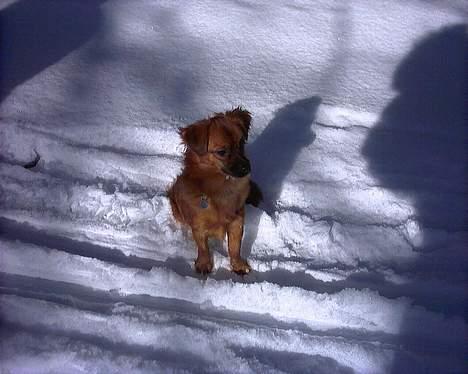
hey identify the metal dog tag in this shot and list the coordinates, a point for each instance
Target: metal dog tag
(204, 202)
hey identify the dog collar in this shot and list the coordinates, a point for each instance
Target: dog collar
(204, 201)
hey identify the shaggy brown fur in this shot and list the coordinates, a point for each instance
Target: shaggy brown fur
(210, 194)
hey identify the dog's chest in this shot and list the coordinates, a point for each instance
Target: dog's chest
(230, 198)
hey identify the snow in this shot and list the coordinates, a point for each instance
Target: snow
(358, 144)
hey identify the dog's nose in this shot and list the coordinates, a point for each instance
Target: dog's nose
(239, 169)
(245, 166)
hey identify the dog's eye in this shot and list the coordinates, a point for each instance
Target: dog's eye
(221, 152)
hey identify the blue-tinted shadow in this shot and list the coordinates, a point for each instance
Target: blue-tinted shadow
(35, 34)
(419, 148)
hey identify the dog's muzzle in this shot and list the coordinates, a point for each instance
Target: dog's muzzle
(240, 168)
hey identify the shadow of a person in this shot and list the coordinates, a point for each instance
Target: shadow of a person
(419, 149)
(273, 154)
(419, 144)
(37, 34)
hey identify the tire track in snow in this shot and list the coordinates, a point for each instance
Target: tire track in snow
(422, 292)
(60, 352)
(92, 300)
(156, 333)
(348, 310)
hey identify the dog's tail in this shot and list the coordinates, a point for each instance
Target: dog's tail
(255, 195)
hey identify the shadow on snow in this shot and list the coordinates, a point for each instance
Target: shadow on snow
(36, 34)
(273, 154)
(419, 149)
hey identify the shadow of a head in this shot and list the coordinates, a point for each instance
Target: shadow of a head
(419, 146)
(418, 149)
(273, 152)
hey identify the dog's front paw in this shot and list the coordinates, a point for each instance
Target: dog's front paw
(240, 266)
(203, 264)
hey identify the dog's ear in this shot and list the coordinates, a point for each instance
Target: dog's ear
(195, 136)
(242, 118)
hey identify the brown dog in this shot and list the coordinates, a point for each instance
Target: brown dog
(210, 194)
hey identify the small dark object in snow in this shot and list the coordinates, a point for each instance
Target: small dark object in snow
(33, 163)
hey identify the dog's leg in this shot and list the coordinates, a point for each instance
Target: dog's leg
(235, 231)
(203, 263)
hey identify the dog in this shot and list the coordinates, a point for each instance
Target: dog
(210, 194)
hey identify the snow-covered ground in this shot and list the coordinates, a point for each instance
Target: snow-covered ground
(358, 143)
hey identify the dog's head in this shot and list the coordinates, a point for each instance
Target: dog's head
(218, 142)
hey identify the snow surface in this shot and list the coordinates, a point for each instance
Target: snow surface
(358, 143)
